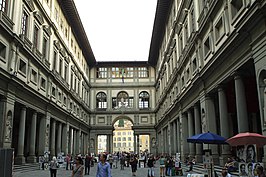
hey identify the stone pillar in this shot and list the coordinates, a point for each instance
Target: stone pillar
(212, 126)
(241, 106)
(82, 143)
(44, 134)
(137, 137)
(174, 137)
(224, 123)
(168, 134)
(65, 134)
(53, 138)
(178, 135)
(74, 142)
(32, 157)
(197, 131)
(191, 133)
(70, 142)
(20, 159)
(59, 138)
(78, 136)
(184, 131)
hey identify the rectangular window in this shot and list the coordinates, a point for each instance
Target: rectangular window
(24, 23)
(22, 66)
(207, 47)
(101, 73)
(33, 77)
(219, 29)
(129, 138)
(44, 47)
(55, 60)
(53, 91)
(116, 72)
(114, 103)
(124, 138)
(131, 102)
(60, 66)
(124, 144)
(129, 72)
(66, 72)
(43, 83)
(143, 72)
(2, 51)
(35, 36)
(4, 6)
(180, 37)
(236, 6)
(195, 65)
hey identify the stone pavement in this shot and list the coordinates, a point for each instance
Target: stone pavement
(61, 172)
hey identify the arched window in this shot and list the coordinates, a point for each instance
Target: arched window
(122, 99)
(101, 100)
(144, 99)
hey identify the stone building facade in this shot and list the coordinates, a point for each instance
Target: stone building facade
(205, 72)
(209, 58)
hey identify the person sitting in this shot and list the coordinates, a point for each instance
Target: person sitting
(230, 165)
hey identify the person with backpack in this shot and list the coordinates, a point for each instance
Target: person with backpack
(53, 167)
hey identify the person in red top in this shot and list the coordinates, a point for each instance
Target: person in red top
(67, 159)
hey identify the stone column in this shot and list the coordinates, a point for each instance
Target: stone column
(74, 142)
(78, 141)
(32, 157)
(178, 135)
(197, 131)
(137, 136)
(82, 143)
(65, 139)
(191, 133)
(168, 136)
(241, 106)
(212, 126)
(70, 142)
(184, 131)
(20, 159)
(59, 138)
(174, 135)
(53, 138)
(44, 134)
(224, 123)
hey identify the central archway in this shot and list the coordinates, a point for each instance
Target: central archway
(123, 135)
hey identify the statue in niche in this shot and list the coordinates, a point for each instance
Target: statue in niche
(203, 121)
(8, 128)
(47, 136)
(153, 142)
(91, 143)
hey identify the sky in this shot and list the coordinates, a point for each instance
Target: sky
(118, 30)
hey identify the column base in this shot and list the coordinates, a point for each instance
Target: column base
(20, 160)
(31, 159)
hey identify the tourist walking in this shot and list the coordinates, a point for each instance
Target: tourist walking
(88, 159)
(134, 163)
(53, 167)
(103, 167)
(150, 164)
(78, 169)
(162, 162)
(122, 162)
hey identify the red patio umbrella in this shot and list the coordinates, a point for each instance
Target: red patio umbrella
(246, 139)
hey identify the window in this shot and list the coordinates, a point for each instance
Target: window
(124, 133)
(33, 77)
(119, 139)
(219, 29)
(144, 100)
(35, 36)
(43, 83)
(2, 51)
(192, 14)
(188, 74)
(116, 72)
(236, 5)
(124, 138)
(60, 98)
(143, 72)
(129, 72)
(45, 47)
(101, 100)
(131, 102)
(24, 23)
(122, 99)
(55, 60)
(129, 138)
(124, 144)
(114, 103)
(22, 66)
(101, 73)
(53, 91)
(66, 71)
(129, 144)
(4, 6)
(60, 66)
(207, 47)
(118, 133)
(180, 38)
(194, 65)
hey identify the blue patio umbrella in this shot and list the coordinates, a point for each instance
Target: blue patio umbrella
(207, 138)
